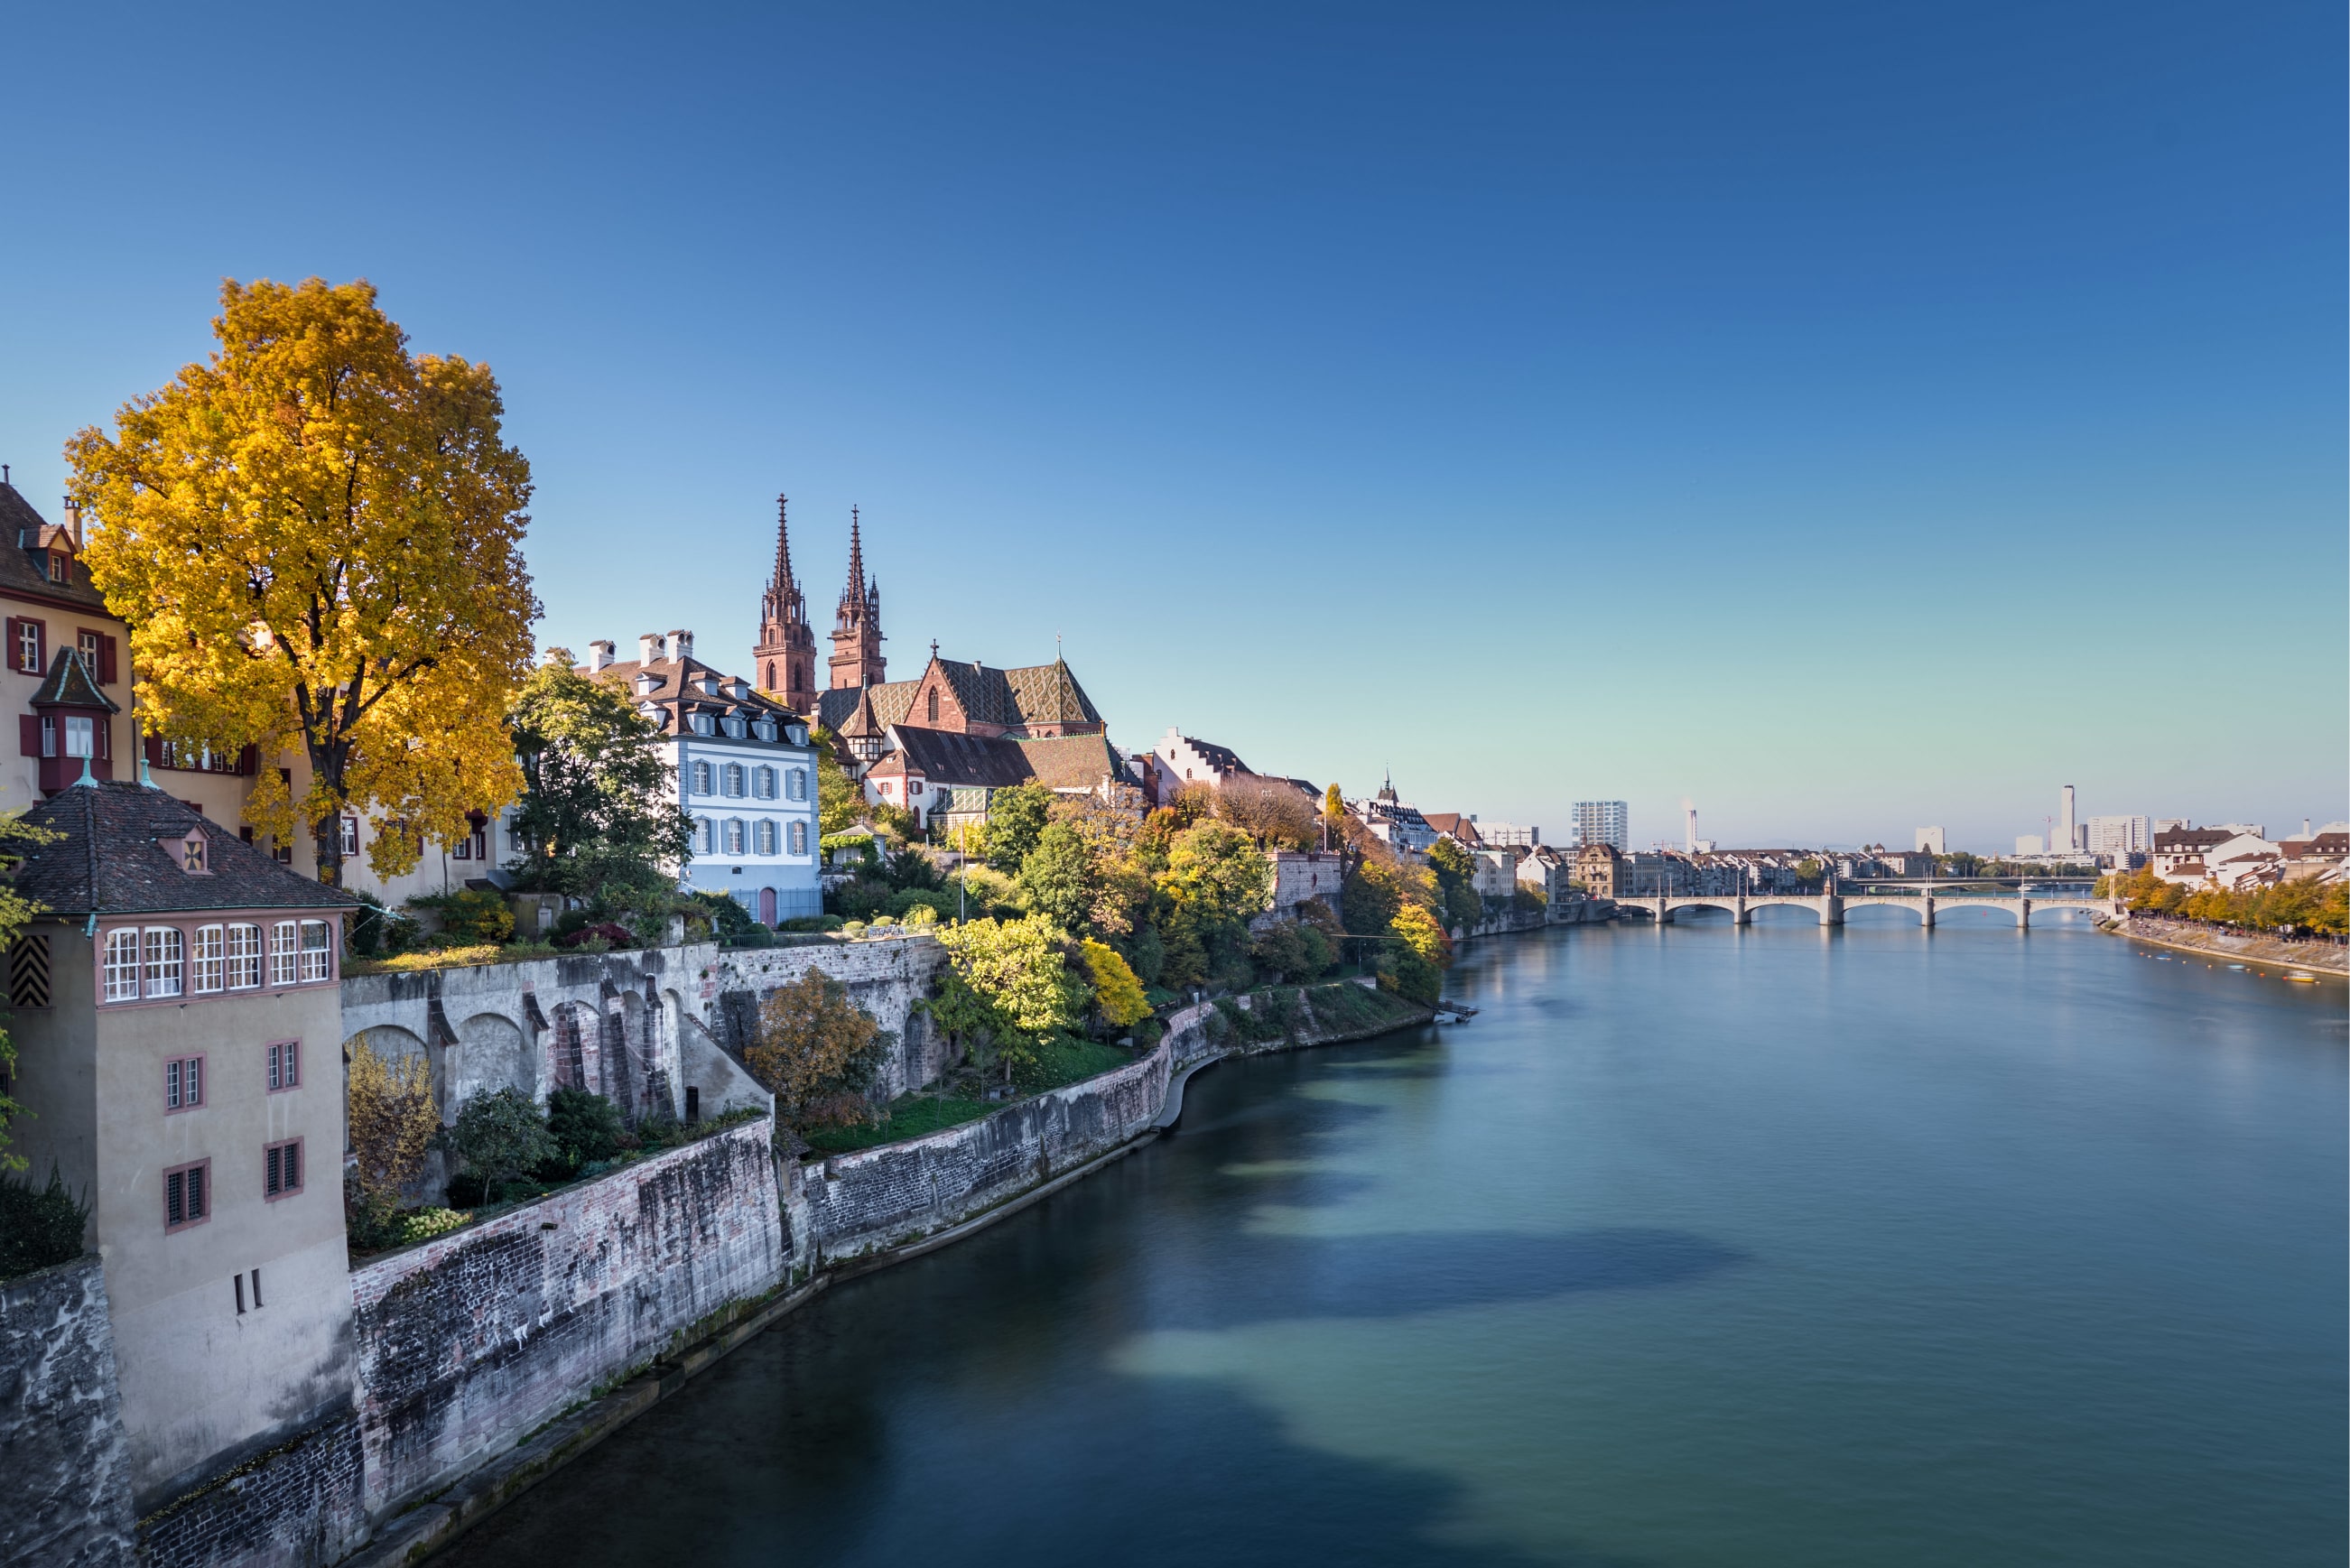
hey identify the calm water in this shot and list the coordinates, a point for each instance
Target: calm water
(1697, 1247)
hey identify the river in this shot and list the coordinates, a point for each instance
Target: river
(1697, 1247)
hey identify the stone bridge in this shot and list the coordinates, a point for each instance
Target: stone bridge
(1831, 907)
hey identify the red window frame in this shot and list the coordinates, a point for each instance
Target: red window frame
(175, 1083)
(278, 1161)
(191, 1213)
(282, 1066)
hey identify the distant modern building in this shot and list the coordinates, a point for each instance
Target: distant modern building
(2028, 844)
(1929, 839)
(1508, 834)
(2067, 834)
(2120, 835)
(1603, 822)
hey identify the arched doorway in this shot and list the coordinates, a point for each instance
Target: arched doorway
(766, 906)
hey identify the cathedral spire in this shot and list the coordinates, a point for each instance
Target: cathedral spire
(785, 656)
(782, 582)
(857, 632)
(852, 597)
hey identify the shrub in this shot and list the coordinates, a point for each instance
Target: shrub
(392, 1122)
(470, 919)
(39, 1227)
(607, 932)
(940, 903)
(811, 923)
(584, 1126)
(727, 917)
(426, 1223)
(501, 1136)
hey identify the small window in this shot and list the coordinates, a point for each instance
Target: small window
(764, 728)
(184, 1084)
(26, 650)
(766, 838)
(764, 782)
(705, 724)
(317, 951)
(799, 838)
(734, 779)
(932, 707)
(187, 1195)
(163, 974)
(210, 968)
(705, 836)
(81, 736)
(243, 957)
(195, 858)
(60, 567)
(701, 778)
(29, 972)
(797, 782)
(350, 835)
(913, 786)
(735, 726)
(284, 958)
(284, 1065)
(48, 735)
(281, 1170)
(734, 836)
(122, 964)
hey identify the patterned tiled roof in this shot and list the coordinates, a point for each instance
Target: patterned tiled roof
(23, 533)
(1073, 761)
(70, 684)
(117, 853)
(1033, 696)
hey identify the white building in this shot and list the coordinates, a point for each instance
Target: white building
(1603, 822)
(744, 772)
(1929, 839)
(2027, 844)
(2121, 835)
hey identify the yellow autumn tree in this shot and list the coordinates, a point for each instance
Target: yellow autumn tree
(1116, 991)
(316, 539)
(392, 1121)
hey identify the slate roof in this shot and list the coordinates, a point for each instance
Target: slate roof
(70, 684)
(118, 854)
(951, 757)
(22, 546)
(680, 696)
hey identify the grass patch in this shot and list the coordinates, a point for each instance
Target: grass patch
(1067, 1061)
(910, 1116)
(452, 958)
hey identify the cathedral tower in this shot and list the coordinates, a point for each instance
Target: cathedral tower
(783, 662)
(856, 633)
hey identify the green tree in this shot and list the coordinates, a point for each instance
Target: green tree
(838, 802)
(584, 1125)
(500, 1137)
(1008, 981)
(597, 803)
(1456, 883)
(1058, 876)
(1016, 821)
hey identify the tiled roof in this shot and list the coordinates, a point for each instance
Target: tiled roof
(1222, 758)
(2179, 838)
(70, 684)
(1037, 695)
(950, 757)
(118, 854)
(1073, 762)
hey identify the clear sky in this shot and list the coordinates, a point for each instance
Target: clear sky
(1844, 416)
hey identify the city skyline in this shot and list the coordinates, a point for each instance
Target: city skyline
(1811, 417)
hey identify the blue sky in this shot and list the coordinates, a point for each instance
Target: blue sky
(1844, 417)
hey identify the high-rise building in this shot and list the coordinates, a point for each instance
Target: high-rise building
(1602, 822)
(2065, 837)
(1929, 839)
(2119, 834)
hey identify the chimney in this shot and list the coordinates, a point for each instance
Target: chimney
(681, 645)
(73, 523)
(649, 648)
(600, 653)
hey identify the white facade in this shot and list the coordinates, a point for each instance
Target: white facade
(753, 802)
(1929, 839)
(2027, 844)
(1603, 822)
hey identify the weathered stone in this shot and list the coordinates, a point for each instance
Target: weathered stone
(67, 1498)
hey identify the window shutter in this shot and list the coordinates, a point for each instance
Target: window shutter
(106, 660)
(28, 732)
(153, 748)
(15, 660)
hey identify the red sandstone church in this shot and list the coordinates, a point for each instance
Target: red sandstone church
(938, 744)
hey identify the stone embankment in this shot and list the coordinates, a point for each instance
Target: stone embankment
(1511, 922)
(486, 1357)
(2237, 947)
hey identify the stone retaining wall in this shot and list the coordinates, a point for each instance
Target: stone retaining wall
(66, 1500)
(466, 1343)
(881, 1198)
(886, 977)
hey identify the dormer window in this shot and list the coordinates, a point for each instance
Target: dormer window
(647, 684)
(735, 727)
(764, 728)
(705, 724)
(195, 858)
(60, 567)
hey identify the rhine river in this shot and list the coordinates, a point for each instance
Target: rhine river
(1697, 1247)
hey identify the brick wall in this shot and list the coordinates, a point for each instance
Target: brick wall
(301, 1503)
(466, 1343)
(857, 1203)
(66, 1500)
